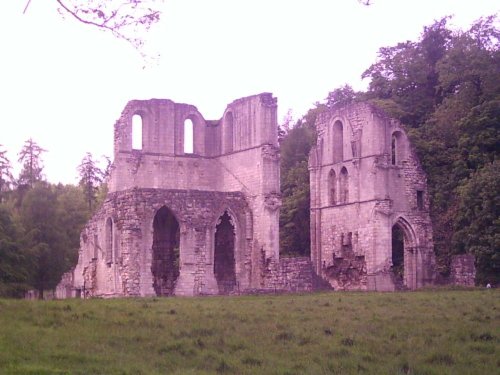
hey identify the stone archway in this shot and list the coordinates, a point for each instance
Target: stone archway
(224, 254)
(403, 253)
(166, 248)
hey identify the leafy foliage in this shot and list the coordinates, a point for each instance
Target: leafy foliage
(40, 225)
(294, 214)
(477, 226)
(445, 89)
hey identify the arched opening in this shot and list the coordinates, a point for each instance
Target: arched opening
(338, 142)
(344, 186)
(396, 153)
(137, 132)
(398, 256)
(188, 137)
(332, 191)
(108, 238)
(166, 243)
(228, 132)
(224, 264)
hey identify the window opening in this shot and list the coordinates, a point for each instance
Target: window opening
(332, 181)
(338, 142)
(344, 186)
(420, 200)
(137, 129)
(109, 241)
(188, 137)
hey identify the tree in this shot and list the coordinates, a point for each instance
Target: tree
(445, 89)
(403, 81)
(5, 173)
(90, 178)
(294, 213)
(72, 215)
(341, 96)
(30, 157)
(13, 262)
(45, 241)
(477, 227)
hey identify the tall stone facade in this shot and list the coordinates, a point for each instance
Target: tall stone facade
(192, 206)
(370, 224)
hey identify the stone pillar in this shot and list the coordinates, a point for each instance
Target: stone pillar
(185, 285)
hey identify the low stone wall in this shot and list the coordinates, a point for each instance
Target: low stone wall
(290, 275)
(463, 270)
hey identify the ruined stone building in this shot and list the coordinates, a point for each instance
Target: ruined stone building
(370, 224)
(193, 206)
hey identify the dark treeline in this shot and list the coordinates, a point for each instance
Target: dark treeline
(445, 89)
(40, 223)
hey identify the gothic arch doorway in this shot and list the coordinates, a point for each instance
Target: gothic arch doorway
(224, 259)
(403, 253)
(166, 243)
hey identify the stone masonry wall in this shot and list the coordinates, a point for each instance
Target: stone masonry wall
(352, 221)
(463, 270)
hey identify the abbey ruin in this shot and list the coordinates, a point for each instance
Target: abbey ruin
(370, 223)
(193, 206)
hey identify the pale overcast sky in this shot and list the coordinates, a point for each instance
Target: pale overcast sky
(64, 84)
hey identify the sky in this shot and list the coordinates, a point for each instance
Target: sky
(64, 84)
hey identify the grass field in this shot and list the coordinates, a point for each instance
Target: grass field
(428, 332)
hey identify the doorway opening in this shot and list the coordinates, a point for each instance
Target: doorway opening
(166, 243)
(224, 264)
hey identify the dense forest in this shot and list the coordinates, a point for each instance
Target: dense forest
(445, 90)
(40, 223)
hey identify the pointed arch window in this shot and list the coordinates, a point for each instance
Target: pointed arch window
(396, 148)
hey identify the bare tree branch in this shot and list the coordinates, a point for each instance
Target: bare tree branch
(125, 19)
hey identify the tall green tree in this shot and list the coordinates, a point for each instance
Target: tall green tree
(404, 79)
(294, 214)
(14, 263)
(91, 177)
(44, 240)
(30, 157)
(5, 173)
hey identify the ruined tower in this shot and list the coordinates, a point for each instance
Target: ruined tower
(370, 223)
(192, 206)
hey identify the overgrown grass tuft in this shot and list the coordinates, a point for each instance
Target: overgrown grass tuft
(428, 332)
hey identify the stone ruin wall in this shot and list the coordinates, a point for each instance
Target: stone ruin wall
(358, 194)
(233, 170)
(222, 194)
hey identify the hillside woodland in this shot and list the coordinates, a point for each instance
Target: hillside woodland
(444, 88)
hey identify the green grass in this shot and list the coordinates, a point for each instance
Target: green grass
(428, 332)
